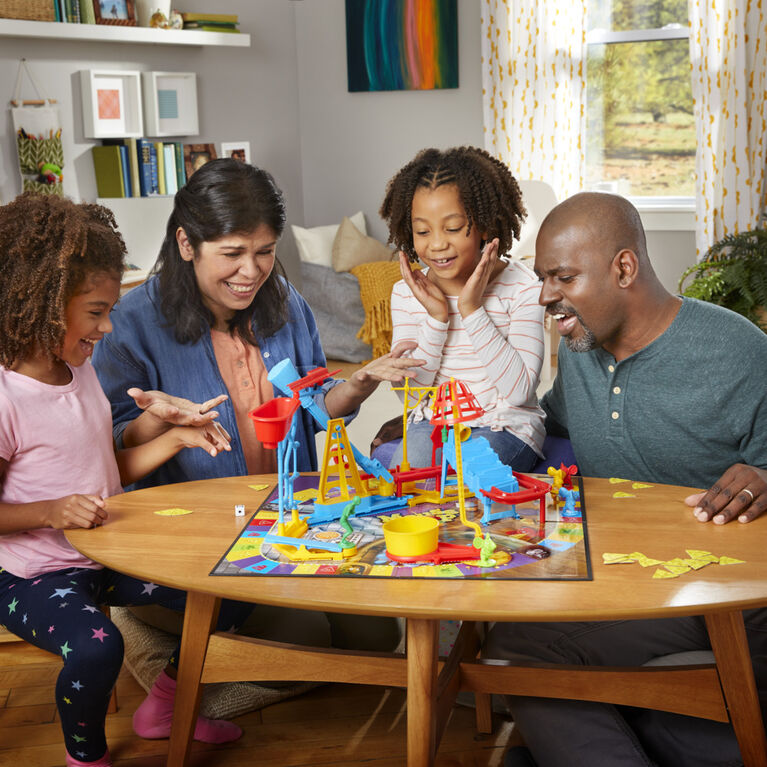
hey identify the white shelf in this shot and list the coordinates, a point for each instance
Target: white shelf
(118, 34)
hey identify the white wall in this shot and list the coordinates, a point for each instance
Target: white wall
(331, 151)
(353, 143)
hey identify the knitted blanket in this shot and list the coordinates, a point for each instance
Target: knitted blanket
(376, 280)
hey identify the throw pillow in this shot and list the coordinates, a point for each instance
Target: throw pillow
(337, 308)
(351, 248)
(315, 245)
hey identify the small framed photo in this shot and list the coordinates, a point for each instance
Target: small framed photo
(111, 104)
(120, 12)
(240, 150)
(196, 155)
(170, 103)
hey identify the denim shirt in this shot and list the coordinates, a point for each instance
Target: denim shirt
(142, 351)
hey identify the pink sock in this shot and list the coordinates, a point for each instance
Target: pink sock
(153, 717)
(105, 761)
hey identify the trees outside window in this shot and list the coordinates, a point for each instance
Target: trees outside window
(640, 129)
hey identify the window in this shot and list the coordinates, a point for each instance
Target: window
(640, 129)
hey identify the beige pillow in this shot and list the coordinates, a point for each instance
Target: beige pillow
(352, 248)
(315, 245)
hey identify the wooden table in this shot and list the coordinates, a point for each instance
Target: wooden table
(180, 551)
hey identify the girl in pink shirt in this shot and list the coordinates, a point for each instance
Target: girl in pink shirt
(60, 269)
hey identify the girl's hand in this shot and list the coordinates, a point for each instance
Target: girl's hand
(470, 298)
(212, 438)
(74, 511)
(426, 292)
(179, 411)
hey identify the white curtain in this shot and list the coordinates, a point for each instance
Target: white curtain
(729, 86)
(533, 89)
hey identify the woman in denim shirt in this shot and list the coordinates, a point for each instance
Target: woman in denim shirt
(218, 304)
(216, 315)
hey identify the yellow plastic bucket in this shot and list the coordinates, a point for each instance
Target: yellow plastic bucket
(411, 536)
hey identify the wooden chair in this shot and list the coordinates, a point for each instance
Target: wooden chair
(693, 684)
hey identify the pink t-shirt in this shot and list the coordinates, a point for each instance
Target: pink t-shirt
(57, 441)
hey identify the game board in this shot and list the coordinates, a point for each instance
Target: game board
(525, 549)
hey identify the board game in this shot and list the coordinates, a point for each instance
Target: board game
(465, 515)
(525, 548)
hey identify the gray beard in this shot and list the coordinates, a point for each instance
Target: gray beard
(585, 343)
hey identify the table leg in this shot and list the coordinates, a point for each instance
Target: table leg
(422, 649)
(733, 661)
(199, 618)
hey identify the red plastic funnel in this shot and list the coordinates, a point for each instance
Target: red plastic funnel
(272, 420)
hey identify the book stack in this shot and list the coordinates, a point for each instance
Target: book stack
(138, 167)
(211, 22)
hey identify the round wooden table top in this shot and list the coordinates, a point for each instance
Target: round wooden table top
(181, 551)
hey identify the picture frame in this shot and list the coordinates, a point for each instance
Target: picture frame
(170, 103)
(111, 103)
(196, 155)
(115, 12)
(240, 150)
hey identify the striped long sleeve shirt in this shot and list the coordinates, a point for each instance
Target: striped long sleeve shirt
(497, 350)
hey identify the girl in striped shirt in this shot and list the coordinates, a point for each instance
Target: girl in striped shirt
(472, 311)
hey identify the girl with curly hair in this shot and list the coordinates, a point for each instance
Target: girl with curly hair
(60, 269)
(473, 313)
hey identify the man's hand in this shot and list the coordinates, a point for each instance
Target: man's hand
(740, 493)
(389, 431)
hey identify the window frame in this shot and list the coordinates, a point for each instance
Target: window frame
(673, 212)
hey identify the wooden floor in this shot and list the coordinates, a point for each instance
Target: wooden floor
(333, 725)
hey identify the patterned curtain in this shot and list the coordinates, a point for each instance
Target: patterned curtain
(729, 86)
(533, 89)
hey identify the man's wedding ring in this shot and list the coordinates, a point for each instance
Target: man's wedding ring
(746, 490)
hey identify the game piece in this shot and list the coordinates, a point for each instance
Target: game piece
(239, 510)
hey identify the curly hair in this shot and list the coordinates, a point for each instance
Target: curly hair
(49, 248)
(489, 193)
(225, 196)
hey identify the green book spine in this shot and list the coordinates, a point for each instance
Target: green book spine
(180, 169)
(108, 169)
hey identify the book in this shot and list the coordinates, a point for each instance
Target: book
(160, 155)
(171, 184)
(108, 169)
(180, 166)
(87, 14)
(143, 150)
(125, 168)
(130, 143)
(231, 18)
(155, 186)
(211, 28)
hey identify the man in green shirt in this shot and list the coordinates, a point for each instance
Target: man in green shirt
(653, 387)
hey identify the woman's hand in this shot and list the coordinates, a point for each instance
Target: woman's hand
(426, 292)
(161, 411)
(176, 410)
(470, 298)
(74, 511)
(394, 367)
(350, 394)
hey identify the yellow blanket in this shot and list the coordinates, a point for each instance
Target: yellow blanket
(376, 280)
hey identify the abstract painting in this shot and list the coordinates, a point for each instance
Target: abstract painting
(401, 44)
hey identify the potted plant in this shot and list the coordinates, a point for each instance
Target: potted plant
(733, 273)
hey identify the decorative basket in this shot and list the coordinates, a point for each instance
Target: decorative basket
(34, 10)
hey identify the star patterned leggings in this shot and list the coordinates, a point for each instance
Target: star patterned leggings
(59, 612)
